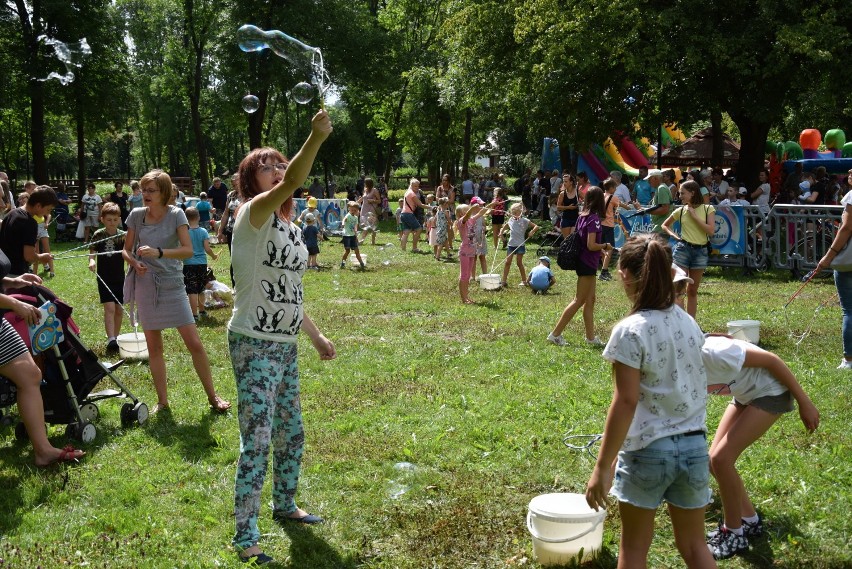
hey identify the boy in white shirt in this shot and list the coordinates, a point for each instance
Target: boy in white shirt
(91, 210)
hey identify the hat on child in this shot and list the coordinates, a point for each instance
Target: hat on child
(476, 200)
(743, 191)
(545, 258)
(312, 202)
(680, 275)
(310, 218)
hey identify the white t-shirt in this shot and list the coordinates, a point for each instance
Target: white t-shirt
(517, 231)
(665, 345)
(728, 202)
(90, 204)
(763, 199)
(847, 199)
(622, 193)
(268, 266)
(723, 361)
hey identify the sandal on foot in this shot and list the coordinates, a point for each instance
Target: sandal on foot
(67, 454)
(220, 405)
(309, 519)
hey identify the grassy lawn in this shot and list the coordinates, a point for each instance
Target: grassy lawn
(473, 397)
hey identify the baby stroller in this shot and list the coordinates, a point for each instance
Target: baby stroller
(66, 225)
(70, 372)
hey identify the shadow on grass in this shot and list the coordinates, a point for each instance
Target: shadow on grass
(307, 549)
(193, 440)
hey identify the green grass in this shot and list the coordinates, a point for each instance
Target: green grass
(472, 396)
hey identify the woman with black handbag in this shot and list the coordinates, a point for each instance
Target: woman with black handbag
(839, 258)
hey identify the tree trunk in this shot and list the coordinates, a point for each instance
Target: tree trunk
(37, 132)
(255, 122)
(194, 104)
(81, 155)
(468, 119)
(716, 124)
(753, 135)
(397, 116)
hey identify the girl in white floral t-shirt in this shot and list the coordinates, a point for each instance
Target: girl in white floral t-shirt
(655, 427)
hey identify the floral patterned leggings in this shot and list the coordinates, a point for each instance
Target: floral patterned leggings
(269, 409)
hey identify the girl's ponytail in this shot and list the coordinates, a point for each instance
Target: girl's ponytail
(649, 261)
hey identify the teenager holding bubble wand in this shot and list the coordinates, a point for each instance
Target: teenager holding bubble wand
(269, 259)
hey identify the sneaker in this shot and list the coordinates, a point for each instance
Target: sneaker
(558, 340)
(594, 341)
(202, 314)
(51, 274)
(750, 530)
(605, 276)
(363, 266)
(342, 264)
(845, 364)
(504, 284)
(112, 347)
(523, 284)
(726, 544)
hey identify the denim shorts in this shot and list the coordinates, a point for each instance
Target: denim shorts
(675, 469)
(688, 256)
(409, 222)
(519, 250)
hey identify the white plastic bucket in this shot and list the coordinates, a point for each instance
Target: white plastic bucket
(489, 281)
(747, 330)
(353, 260)
(563, 525)
(132, 346)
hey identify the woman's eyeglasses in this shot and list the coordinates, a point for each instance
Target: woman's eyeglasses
(268, 168)
(150, 190)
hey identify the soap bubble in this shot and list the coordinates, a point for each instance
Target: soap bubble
(386, 263)
(250, 103)
(306, 61)
(69, 54)
(303, 93)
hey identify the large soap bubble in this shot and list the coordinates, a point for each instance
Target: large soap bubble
(250, 103)
(305, 60)
(303, 93)
(69, 54)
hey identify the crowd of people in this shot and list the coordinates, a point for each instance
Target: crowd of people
(663, 365)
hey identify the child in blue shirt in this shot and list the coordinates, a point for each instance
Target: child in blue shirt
(350, 234)
(195, 268)
(310, 234)
(205, 210)
(541, 277)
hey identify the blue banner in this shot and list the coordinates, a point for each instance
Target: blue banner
(728, 239)
(329, 210)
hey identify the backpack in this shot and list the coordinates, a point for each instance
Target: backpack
(568, 257)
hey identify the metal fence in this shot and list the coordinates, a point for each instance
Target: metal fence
(788, 237)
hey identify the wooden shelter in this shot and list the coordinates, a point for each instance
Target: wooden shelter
(697, 150)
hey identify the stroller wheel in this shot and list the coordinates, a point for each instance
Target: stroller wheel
(131, 413)
(90, 412)
(85, 431)
(21, 432)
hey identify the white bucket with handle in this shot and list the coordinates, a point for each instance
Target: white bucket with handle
(564, 528)
(746, 330)
(490, 281)
(132, 346)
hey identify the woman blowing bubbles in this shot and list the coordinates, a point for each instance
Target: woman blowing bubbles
(269, 259)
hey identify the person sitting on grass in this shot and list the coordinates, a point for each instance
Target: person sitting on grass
(107, 262)
(541, 277)
(195, 268)
(350, 234)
